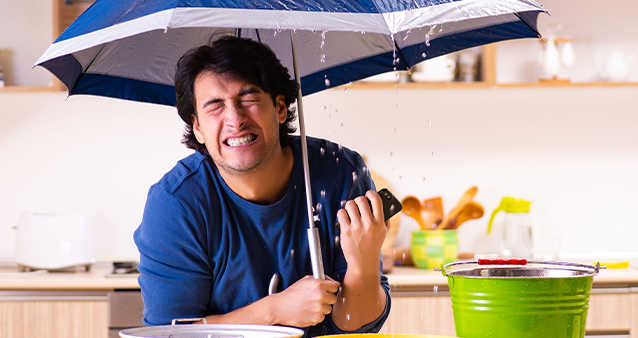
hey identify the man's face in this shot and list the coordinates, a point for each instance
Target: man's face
(237, 122)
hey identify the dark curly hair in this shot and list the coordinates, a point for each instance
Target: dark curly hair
(241, 58)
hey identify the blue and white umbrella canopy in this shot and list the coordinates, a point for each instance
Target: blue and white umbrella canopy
(128, 49)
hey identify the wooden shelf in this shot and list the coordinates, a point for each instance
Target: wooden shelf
(14, 89)
(482, 84)
(569, 84)
(415, 85)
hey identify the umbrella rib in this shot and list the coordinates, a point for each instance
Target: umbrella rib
(530, 27)
(86, 70)
(401, 56)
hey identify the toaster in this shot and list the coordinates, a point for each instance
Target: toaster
(51, 241)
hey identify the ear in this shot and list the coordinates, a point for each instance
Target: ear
(282, 110)
(197, 131)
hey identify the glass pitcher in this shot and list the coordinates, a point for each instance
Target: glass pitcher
(517, 228)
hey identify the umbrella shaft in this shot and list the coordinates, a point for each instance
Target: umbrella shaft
(313, 233)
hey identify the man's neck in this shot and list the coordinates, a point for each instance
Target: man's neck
(266, 185)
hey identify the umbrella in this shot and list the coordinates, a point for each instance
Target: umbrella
(128, 49)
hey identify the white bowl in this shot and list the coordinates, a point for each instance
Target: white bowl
(432, 77)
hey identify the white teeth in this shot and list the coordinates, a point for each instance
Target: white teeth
(236, 142)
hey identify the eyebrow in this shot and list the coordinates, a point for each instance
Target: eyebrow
(243, 92)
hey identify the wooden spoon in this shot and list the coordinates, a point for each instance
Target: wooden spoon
(412, 208)
(432, 212)
(465, 199)
(472, 210)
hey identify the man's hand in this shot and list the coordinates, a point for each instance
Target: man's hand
(362, 233)
(306, 302)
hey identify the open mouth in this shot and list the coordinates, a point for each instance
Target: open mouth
(240, 141)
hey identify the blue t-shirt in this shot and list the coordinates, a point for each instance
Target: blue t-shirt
(204, 250)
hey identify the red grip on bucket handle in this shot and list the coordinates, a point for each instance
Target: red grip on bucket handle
(502, 261)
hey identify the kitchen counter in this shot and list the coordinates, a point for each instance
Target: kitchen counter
(95, 279)
(401, 278)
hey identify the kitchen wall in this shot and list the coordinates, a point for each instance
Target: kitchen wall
(573, 152)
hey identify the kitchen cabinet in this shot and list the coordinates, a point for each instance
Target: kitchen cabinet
(53, 314)
(422, 312)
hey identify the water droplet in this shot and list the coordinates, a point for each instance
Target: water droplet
(337, 160)
(345, 89)
(327, 81)
(343, 204)
(322, 151)
(407, 34)
(348, 316)
(339, 147)
(275, 34)
(323, 109)
(323, 194)
(319, 206)
(292, 253)
(436, 289)
(394, 170)
(423, 55)
(365, 170)
(395, 130)
(354, 177)
(323, 39)
(431, 153)
(427, 36)
(337, 241)
(429, 123)
(323, 58)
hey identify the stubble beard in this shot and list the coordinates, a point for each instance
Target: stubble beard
(259, 164)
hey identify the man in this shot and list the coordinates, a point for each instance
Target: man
(226, 219)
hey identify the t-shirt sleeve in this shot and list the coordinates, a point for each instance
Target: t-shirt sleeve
(174, 268)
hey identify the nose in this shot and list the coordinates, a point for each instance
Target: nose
(235, 117)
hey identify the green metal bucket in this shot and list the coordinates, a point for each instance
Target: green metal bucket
(517, 298)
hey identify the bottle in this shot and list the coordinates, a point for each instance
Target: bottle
(517, 228)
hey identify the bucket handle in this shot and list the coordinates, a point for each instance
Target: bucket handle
(483, 261)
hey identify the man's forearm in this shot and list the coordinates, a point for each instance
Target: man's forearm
(259, 312)
(360, 301)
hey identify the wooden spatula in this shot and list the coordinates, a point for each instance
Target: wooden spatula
(465, 199)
